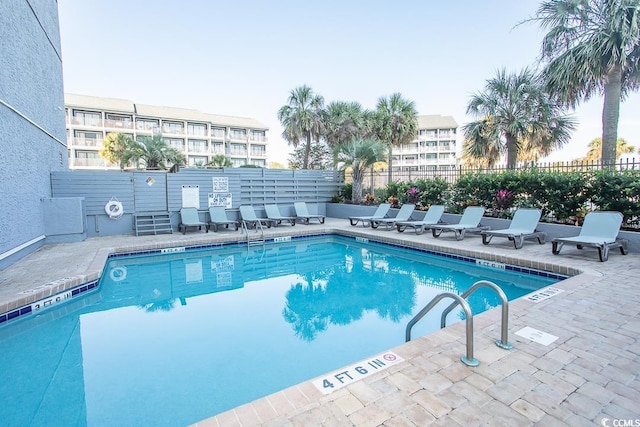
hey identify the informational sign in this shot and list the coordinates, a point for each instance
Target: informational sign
(193, 271)
(345, 376)
(220, 199)
(150, 181)
(191, 196)
(220, 184)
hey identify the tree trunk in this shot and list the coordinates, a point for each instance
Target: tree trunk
(307, 151)
(512, 151)
(356, 188)
(610, 115)
(390, 165)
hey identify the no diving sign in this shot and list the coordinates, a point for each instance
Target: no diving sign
(350, 374)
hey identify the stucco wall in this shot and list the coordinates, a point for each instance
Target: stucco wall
(32, 128)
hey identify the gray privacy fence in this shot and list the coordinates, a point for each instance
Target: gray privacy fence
(143, 192)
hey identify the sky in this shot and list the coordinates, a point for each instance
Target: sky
(243, 57)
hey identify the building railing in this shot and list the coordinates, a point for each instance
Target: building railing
(120, 124)
(86, 142)
(86, 121)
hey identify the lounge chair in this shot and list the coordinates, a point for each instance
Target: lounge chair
(380, 213)
(599, 230)
(470, 221)
(189, 218)
(522, 226)
(432, 217)
(302, 213)
(273, 213)
(218, 217)
(404, 214)
(250, 220)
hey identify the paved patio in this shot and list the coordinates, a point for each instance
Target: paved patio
(588, 376)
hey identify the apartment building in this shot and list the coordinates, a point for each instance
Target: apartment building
(434, 147)
(199, 136)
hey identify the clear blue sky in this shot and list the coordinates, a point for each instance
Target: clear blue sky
(242, 58)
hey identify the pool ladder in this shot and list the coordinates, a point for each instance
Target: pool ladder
(467, 359)
(259, 228)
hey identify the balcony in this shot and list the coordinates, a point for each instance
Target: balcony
(87, 121)
(118, 124)
(238, 153)
(198, 149)
(86, 142)
(257, 138)
(217, 134)
(172, 130)
(258, 153)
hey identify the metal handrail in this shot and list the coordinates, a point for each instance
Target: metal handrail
(468, 360)
(245, 229)
(503, 342)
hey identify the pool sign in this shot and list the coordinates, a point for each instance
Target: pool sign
(350, 374)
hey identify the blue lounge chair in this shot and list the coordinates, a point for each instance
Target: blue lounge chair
(250, 220)
(189, 218)
(404, 214)
(599, 230)
(380, 213)
(302, 213)
(432, 217)
(273, 213)
(522, 226)
(470, 221)
(218, 218)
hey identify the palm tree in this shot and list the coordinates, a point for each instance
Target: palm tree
(396, 123)
(118, 148)
(219, 161)
(359, 155)
(345, 121)
(595, 149)
(301, 118)
(514, 112)
(156, 153)
(592, 47)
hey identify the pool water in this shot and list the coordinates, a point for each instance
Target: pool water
(172, 339)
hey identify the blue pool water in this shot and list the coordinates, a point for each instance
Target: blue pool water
(172, 339)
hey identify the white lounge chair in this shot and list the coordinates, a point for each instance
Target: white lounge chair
(470, 221)
(273, 213)
(522, 226)
(302, 213)
(432, 217)
(218, 218)
(404, 214)
(250, 220)
(189, 218)
(599, 230)
(380, 213)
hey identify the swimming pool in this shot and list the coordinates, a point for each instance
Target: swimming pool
(172, 339)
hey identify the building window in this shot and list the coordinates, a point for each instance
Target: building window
(238, 150)
(176, 143)
(87, 139)
(238, 133)
(118, 121)
(197, 146)
(196, 129)
(217, 148)
(238, 162)
(217, 133)
(198, 161)
(258, 135)
(147, 124)
(86, 118)
(172, 127)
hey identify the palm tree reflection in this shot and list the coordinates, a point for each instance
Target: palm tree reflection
(341, 294)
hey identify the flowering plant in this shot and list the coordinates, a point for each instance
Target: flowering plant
(393, 201)
(504, 199)
(413, 194)
(369, 199)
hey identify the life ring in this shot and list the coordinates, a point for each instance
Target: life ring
(113, 209)
(118, 274)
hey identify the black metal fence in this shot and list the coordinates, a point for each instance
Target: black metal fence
(380, 178)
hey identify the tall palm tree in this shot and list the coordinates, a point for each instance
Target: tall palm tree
(592, 47)
(359, 155)
(595, 149)
(396, 123)
(345, 121)
(514, 112)
(301, 118)
(118, 148)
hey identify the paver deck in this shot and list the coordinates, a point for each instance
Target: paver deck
(588, 376)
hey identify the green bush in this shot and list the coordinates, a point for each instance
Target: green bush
(617, 191)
